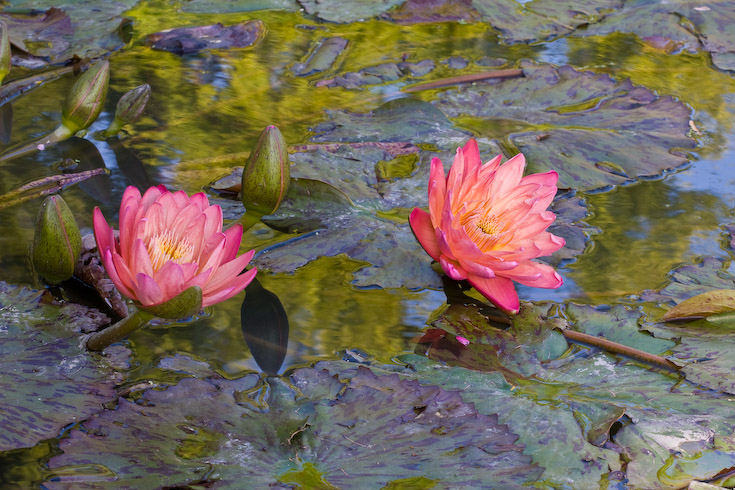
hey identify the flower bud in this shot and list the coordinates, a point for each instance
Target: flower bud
(185, 304)
(266, 175)
(129, 108)
(5, 55)
(85, 99)
(57, 241)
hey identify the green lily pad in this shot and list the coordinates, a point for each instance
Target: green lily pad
(49, 380)
(313, 430)
(86, 29)
(684, 24)
(345, 11)
(541, 20)
(594, 131)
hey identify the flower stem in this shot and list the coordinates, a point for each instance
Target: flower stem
(118, 331)
(60, 134)
(621, 349)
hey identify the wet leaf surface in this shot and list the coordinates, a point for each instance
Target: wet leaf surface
(365, 432)
(58, 31)
(187, 40)
(594, 131)
(344, 11)
(49, 380)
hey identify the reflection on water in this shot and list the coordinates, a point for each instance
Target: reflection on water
(264, 326)
(217, 102)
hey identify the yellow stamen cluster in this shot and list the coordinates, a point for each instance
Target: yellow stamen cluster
(484, 228)
(164, 247)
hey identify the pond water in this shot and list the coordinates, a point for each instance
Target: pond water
(217, 101)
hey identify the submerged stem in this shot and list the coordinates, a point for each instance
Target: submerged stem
(118, 331)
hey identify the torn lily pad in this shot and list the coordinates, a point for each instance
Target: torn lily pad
(49, 379)
(594, 131)
(366, 432)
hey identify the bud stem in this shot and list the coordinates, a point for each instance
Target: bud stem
(60, 134)
(98, 341)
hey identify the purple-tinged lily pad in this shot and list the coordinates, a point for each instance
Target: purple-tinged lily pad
(232, 6)
(186, 40)
(85, 28)
(49, 379)
(366, 432)
(594, 131)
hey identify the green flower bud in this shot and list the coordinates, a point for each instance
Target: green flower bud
(186, 303)
(85, 99)
(5, 55)
(129, 108)
(266, 175)
(57, 241)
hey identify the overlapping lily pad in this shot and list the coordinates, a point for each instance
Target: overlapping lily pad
(311, 430)
(685, 24)
(86, 29)
(594, 131)
(48, 378)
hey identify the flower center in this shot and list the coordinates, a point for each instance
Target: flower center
(489, 225)
(164, 247)
(484, 229)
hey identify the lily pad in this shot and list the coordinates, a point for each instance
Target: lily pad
(85, 28)
(49, 380)
(594, 131)
(345, 11)
(686, 24)
(367, 432)
(541, 20)
(187, 40)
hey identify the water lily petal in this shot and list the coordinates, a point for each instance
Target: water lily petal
(422, 228)
(237, 285)
(453, 270)
(499, 290)
(535, 274)
(148, 293)
(227, 272)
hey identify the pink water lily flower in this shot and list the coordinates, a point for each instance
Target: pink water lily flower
(486, 222)
(168, 243)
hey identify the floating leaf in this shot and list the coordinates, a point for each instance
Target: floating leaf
(49, 380)
(703, 305)
(323, 55)
(344, 11)
(185, 40)
(592, 130)
(83, 28)
(682, 25)
(366, 432)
